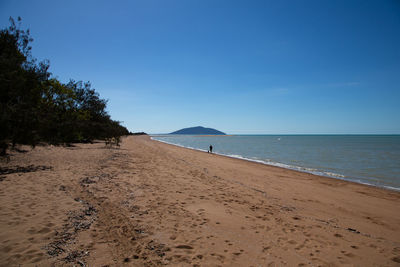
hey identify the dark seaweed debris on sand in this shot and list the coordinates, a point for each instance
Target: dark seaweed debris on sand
(23, 169)
(77, 221)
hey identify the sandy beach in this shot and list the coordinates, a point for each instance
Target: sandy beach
(148, 203)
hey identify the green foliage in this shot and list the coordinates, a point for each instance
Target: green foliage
(37, 108)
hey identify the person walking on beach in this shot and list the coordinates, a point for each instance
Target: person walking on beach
(210, 149)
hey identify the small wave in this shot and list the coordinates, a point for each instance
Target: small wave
(287, 166)
(243, 158)
(335, 174)
(391, 188)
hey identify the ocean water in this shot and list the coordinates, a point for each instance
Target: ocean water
(367, 159)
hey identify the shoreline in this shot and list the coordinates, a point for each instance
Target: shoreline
(148, 203)
(321, 174)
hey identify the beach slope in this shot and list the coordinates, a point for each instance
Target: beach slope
(148, 203)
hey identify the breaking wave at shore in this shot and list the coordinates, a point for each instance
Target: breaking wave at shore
(310, 170)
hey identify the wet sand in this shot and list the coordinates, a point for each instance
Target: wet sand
(148, 203)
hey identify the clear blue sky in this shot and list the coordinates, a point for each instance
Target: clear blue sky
(238, 66)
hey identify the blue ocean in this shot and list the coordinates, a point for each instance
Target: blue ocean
(367, 159)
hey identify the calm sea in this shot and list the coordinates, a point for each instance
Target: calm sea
(367, 159)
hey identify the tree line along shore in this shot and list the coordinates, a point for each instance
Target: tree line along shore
(36, 107)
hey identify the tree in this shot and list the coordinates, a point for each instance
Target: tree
(35, 107)
(20, 87)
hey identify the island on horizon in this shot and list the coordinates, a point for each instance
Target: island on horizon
(199, 130)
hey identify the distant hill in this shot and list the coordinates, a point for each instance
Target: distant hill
(199, 130)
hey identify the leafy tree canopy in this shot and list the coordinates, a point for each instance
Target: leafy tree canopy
(36, 107)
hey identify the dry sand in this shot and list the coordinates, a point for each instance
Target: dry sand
(148, 203)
